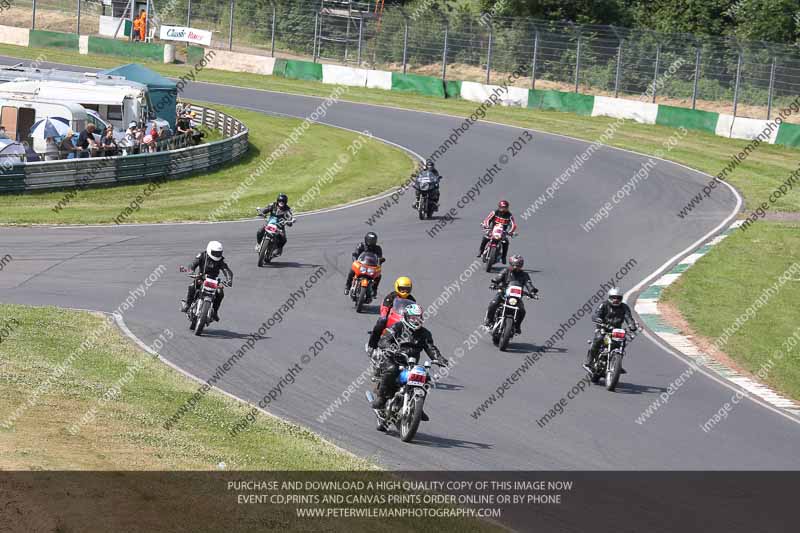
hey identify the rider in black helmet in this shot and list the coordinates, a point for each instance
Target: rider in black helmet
(281, 210)
(612, 313)
(513, 275)
(370, 244)
(428, 166)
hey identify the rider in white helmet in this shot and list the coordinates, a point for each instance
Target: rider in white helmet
(612, 313)
(211, 263)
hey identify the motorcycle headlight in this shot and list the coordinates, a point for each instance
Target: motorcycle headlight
(512, 301)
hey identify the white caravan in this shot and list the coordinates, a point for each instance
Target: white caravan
(18, 114)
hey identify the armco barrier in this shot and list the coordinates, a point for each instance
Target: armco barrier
(99, 171)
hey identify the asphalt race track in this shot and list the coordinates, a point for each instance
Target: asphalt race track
(96, 267)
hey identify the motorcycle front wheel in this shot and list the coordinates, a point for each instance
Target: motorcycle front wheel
(362, 295)
(262, 252)
(491, 259)
(410, 423)
(613, 370)
(202, 316)
(508, 331)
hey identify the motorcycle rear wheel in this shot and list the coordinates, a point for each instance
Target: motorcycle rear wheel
(410, 424)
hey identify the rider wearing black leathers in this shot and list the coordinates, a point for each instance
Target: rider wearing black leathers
(281, 210)
(402, 338)
(211, 263)
(503, 216)
(402, 289)
(434, 194)
(370, 244)
(612, 313)
(513, 275)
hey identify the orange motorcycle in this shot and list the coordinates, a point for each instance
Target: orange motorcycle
(366, 271)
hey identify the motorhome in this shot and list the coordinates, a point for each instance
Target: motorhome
(19, 113)
(117, 104)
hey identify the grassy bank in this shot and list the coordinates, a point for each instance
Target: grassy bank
(101, 407)
(370, 168)
(724, 283)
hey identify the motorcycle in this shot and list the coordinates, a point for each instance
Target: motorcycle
(497, 238)
(404, 409)
(506, 315)
(608, 362)
(273, 231)
(427, 185)
(201, 309)
(366, 270)
(395, 315)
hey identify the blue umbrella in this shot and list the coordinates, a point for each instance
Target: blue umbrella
(50, 127)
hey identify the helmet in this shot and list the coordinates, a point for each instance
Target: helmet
(429, 165)
(615, 296)
(371, 238)
(516, 262)
(412, 316)
(282, 199)
(502, 206)
(214, 250)
(403, 286)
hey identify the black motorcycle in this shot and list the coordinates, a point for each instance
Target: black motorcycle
(427, 186)
(200, 310)
(273, 231)
(608, 362)
(506, 315)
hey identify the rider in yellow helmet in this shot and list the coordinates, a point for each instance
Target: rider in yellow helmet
(402, 289)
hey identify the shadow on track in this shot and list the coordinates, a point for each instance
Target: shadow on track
(423, 439)
(225, 334)
(632, 388)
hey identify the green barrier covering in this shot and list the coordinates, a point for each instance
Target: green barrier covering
(280, 68)
(581, 104)
(688, 118)
(135, 50)
(53, 39)
(302, 70)
(788, 135)
(414, 83)
(12, 179)
(452, 89)
(194, 54)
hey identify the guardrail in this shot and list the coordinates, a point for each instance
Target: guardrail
(116, 170)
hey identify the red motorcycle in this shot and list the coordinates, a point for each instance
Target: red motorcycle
(497, 238)
(273, 233)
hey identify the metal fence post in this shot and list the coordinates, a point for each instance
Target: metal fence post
(655, 73)
(736, 87)
(405, 43)
(316, 33)
(619, 68)
(696, 76)
(360, 35)
(230, 29)
(444, 53)
(489, 55)
(578, 62)
(33, 16)
(533, 61)
(274, 16)
(189, 13)
(78, 28)
(771, 87)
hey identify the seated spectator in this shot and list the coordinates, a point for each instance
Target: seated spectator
(67, 148)
(3, 132)
(108, 143)
(30, 155)
(51, 149)
(86, 141)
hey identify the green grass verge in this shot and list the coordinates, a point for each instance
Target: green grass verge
(370, 169)
(723, 284)
(126, 432)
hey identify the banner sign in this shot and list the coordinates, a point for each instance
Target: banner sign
(189, 35)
